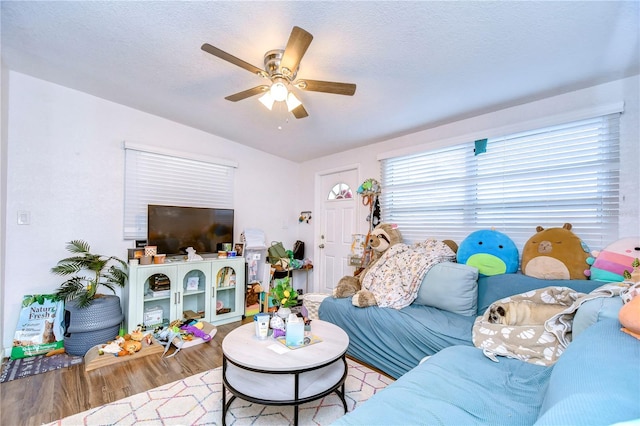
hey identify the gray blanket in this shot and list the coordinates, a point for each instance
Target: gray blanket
(537, 344)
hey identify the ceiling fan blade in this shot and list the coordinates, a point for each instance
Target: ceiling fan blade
(298, 43)
(299, 112)
(247, 93)
(327, 87)
(235, 61)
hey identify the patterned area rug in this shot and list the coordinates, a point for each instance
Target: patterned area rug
(197, 400)
(25, 367)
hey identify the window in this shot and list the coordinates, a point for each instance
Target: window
(562, 174)
(340, 191)
(168, 178)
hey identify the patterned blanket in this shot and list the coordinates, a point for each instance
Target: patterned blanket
(536, 344)
(395, 278)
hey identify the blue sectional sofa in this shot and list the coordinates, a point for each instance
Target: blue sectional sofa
(595, 381)
(394, 341)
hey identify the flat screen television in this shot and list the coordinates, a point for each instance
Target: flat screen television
(173, 229)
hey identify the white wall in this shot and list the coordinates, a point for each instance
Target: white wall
(3, 180)
(65, 166)
(496, 124)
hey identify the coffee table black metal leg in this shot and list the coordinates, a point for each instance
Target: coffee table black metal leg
(297, 394)
(225, 409)
(341, 394)
(224, 405)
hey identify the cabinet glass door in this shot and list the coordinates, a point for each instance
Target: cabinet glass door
(193, 295)
(226, 281)
(157, 300)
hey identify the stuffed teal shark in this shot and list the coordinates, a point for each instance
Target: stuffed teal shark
(490, 251)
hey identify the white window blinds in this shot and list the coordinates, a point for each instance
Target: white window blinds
(562, 174)
(153, 178)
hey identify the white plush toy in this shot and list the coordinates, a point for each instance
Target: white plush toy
(191, 254)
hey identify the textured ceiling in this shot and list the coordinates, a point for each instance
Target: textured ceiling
(416, 64)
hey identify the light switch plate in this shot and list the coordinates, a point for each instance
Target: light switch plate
(24, 218)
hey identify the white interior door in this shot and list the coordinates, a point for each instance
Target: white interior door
(338, 191)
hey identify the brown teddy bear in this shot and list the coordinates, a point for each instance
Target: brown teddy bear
(555, 254)
(253, 294)
(382, 237)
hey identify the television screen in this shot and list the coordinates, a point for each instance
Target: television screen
(173, 229)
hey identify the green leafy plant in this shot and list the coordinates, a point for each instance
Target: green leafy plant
(283, 293)
(93, 270)
(39, 298)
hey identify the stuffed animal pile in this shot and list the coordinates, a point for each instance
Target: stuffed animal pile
(382, 237)
(389, 280)
(128, 344)
(393, 277)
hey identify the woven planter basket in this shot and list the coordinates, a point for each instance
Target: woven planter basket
(93, 325)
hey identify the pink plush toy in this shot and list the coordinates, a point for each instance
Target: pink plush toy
(609, 264)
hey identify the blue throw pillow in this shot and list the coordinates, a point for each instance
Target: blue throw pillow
(450, 286)
(595, 381)
(592, 311)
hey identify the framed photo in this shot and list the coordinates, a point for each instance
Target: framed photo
(239, 248)
(192, 283)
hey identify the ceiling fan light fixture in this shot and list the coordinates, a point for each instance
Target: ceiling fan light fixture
(281, 67)
(279, 90)
(292, 102)
(267, 100)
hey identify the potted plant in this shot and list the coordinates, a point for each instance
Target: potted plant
(284, 296)
(90, 318)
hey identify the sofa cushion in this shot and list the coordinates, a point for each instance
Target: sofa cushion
(458, 386)
(591, 311)
(450, 286)
(395, 340)
(498, 287)
(596, 381)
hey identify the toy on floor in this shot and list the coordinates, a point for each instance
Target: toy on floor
(124, 345)
(192, 330)
(555, 254)
(490, 251)
(183, 331)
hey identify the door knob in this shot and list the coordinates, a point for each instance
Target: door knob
(321, 246)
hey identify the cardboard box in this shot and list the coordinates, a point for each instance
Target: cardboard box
(152, 316)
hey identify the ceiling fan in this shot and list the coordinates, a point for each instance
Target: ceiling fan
(281, 67)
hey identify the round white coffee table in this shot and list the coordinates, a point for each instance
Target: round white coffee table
(254, 372)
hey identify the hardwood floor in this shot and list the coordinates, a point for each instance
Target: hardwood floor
(47, 397)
